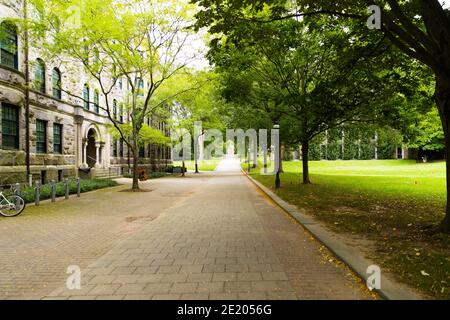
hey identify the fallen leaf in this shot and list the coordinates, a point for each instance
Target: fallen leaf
(424, 273)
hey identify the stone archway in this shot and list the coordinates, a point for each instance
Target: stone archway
(92, 148)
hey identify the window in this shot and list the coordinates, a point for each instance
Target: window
(10, 126)
(142, 152)
(41, 136)
(121, 113)
(96, 55)
(114, 148)
(121, 148)
(86, 55)
(86, 97)
(8, 45)
(96, 101)
(56, 83)
(120, 83)
(39, 75)
(115, 109)
(57, 138)
(140, 87)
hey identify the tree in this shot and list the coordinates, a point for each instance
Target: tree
(253, 101)
(426, 133)
(419, 28)
(304, 74)
(139, 41)
(197, 104)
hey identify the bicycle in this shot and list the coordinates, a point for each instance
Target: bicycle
(12, 205)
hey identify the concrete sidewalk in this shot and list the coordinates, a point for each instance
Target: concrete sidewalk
(225, 240)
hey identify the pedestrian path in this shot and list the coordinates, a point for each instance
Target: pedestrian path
(225, 240)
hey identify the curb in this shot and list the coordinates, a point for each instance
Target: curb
(390, 290)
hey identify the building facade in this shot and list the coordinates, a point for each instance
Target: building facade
(68, 135)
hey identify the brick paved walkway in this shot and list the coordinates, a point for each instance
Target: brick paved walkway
(37, 247)
(225, 240)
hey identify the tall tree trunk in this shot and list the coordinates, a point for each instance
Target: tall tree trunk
(305, 160)
(183, 168)
(135, 186)
(443, 103)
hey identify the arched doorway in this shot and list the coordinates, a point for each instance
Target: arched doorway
(91, 150)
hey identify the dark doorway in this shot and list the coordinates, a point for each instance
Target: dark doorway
(91, 154)
(43, 177)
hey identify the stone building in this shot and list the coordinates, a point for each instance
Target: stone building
(67, 136)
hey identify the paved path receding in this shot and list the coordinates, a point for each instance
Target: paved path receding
(224, 240)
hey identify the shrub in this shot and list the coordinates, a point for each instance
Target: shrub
(85, 186)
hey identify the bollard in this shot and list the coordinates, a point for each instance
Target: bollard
(37, 193)
(66, 188)
(78, 187)
(17, 190)
(53, 190)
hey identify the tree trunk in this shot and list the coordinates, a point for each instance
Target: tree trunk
(135, 186)
(183, 169)
(305, 160)
(443, 103)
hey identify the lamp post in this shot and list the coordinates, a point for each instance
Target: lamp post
(196, 153)
(248, 160)
(277, 160)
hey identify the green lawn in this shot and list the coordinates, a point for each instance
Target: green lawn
(388, 178)
(205, 165)
(395, 204)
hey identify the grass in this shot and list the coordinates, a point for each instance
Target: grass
(28, 193)
(205, 165)
(394, 204)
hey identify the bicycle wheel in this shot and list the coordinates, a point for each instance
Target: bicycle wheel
(12, 206)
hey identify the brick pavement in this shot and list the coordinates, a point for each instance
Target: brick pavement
(223, 241)
(37, 247)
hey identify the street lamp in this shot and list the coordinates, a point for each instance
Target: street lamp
(248, 160)
(198, 133)
(277, 160)
(196, 153)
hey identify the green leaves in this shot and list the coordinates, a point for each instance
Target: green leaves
(426, 133)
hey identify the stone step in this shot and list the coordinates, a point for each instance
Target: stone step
(107, 177)
(101, 173)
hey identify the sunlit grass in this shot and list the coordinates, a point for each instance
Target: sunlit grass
(204, 165)
(393, 178)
